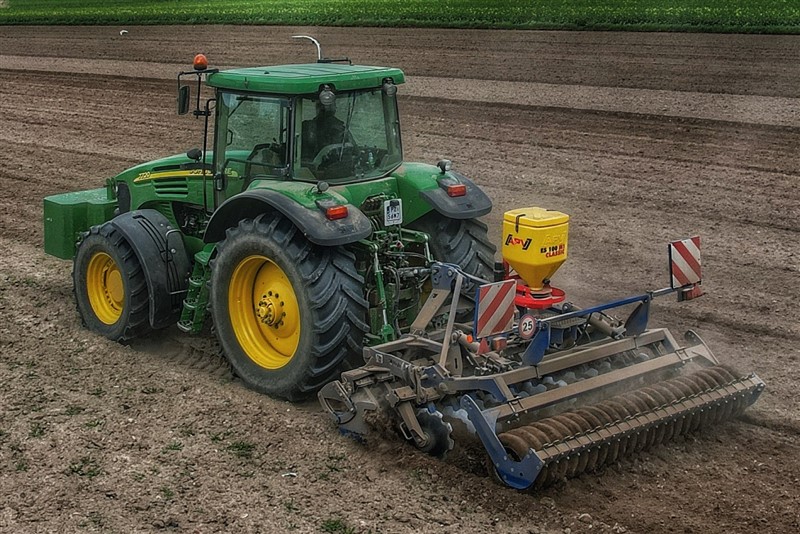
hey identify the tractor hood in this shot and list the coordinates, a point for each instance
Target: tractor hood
(168, 167)
(175, 178)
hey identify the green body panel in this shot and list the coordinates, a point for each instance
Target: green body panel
(193, 244)
(163, 180)
(303, 79)
(405, 182)
(68, 215)
(306, 194)
(355, 193)
(411, 179)
(303, 193)
(161, 184)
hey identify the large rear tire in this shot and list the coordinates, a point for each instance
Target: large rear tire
(464, 242)
(289, 314)
(110, 286)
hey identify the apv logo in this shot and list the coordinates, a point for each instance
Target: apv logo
(515, 241)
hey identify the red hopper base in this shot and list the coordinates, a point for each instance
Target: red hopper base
(537, 300)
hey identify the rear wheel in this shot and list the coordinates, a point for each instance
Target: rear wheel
(464, 242)
(110, 286)
(288, 314)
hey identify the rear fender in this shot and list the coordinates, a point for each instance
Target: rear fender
(471, 205)
(312, 222)
(160, 250)
(423, 188)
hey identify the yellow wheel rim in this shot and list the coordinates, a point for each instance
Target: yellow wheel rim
(104, 288)
(264, 312)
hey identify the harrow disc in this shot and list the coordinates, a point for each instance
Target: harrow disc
(438, 431)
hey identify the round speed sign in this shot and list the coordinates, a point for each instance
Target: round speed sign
(527, 326)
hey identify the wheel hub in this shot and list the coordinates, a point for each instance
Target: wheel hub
(270, 310)
(105, 288)
(264, 312)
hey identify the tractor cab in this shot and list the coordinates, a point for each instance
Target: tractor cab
(330, 122)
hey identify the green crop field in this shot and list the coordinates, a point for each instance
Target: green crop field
(773, 16)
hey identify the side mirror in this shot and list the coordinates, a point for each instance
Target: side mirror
(195, 154)
(183, 100)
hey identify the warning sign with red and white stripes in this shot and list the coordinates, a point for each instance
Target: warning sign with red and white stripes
(494, 308)
(684, 262)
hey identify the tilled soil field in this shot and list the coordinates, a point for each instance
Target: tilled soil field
(642, 138)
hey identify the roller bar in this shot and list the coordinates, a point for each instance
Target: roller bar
(588, 438)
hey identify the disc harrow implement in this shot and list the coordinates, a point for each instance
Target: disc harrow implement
(560, 392)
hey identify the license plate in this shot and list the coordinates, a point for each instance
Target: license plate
(392, 212)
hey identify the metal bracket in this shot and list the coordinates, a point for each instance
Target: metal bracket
(451, 319)
(538, 345)
(442, 276)
(410, 426)
(517, 474)
(637, 320)
(335, 391)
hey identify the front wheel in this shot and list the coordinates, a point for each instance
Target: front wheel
(288, 313)
(110, 286)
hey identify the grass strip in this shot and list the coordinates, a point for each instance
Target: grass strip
(733, 16)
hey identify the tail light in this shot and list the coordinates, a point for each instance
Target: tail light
(452, 187)
(335, 212)
(456, 190)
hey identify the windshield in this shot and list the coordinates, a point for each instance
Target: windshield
(255, 130)
(356, 138)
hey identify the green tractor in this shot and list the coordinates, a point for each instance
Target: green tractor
(300, 230)
(331, 266)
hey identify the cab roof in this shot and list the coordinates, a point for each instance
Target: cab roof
(304, 79)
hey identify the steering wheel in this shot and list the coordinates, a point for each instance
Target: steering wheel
(325, 151)
(273, 147)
